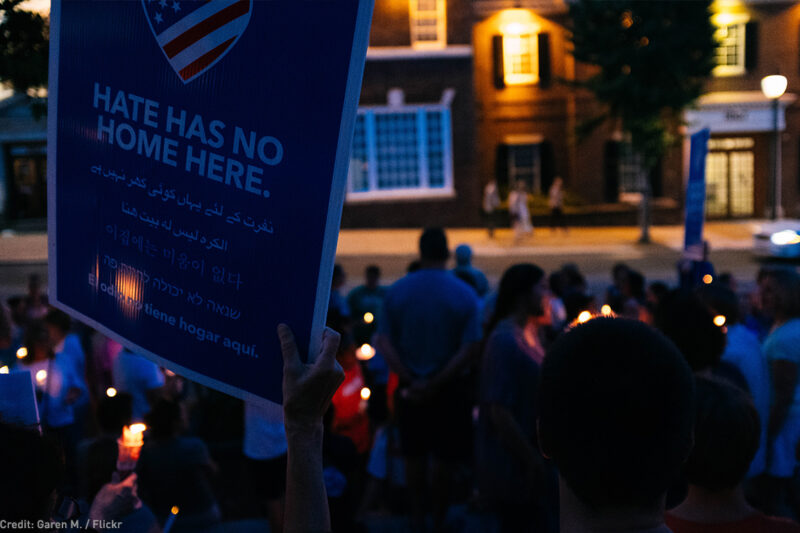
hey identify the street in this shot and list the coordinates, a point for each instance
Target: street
(594, 250)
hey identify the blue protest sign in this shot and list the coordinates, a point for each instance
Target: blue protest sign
(696, 195)
(198, 153)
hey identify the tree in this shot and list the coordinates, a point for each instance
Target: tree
(652, 59)
(24, 47)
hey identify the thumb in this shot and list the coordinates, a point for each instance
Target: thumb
(291, 357)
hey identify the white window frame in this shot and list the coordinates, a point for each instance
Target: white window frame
(513, 54)
(419, 17)
(723, 23)
(370, 166)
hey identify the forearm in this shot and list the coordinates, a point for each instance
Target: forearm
(387, 350)
(511, 435)
(784, 382)
(306, 508)
(455, 365)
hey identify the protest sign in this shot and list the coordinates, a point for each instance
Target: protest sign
(696, 196)
(197, 158)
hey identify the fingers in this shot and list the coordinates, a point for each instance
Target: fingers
(291, 357)
(327, 351)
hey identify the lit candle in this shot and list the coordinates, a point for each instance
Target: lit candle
(111, 392)
(365, 393)
(584, 316)
(368, 318)
(707, 279)
(22, 353)
(365, 353)
(719, 320)
(606, 310)
(173, 515)
(41, 377)
(129, 447)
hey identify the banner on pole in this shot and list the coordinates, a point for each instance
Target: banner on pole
(696, 196)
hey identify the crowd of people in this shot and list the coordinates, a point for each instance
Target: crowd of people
(440, 403)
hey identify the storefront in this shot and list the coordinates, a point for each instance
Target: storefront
(739, 162)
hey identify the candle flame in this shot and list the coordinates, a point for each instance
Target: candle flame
(707, 279)
(719, 320)
(584, 317)
(365, 393)
(175, 510)
(22, 353)
(366, 352)
(132, 435)
(41, 377)
(111, 392)
(606, 310)
(369, 318)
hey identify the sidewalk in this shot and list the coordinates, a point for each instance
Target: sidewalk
(736, 235)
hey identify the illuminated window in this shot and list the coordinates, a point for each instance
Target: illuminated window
(520, 59)
(401, 149)
(428, 23)
(730, 36)
(730, 178)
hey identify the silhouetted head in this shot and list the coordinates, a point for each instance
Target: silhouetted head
(433, 246)
(726, 436)
(616, 406)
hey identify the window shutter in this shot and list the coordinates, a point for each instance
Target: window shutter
(751, 45)
(544, 59)
(498, 73)
(611, 157)
(501, 169)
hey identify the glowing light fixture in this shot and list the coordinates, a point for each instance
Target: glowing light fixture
(774, 86)
(3, 370)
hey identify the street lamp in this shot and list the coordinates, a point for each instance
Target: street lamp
(773, 88)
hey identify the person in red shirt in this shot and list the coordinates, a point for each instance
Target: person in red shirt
(726, 440)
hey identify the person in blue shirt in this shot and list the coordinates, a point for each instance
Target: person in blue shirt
(429, 333)
(780, 300)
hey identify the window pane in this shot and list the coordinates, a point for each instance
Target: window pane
(396, 146)
(359, 171)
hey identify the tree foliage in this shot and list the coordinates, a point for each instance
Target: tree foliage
(24, 47)
(652, 58)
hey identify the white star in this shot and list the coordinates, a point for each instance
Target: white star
(159, 19)
(176, 6)
(163, 3)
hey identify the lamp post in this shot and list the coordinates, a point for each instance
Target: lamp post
(773, 88)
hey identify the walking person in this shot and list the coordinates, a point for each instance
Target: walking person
(491, 201)
(518, 209)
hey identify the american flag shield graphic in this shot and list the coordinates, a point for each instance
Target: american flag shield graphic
(195, 34)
